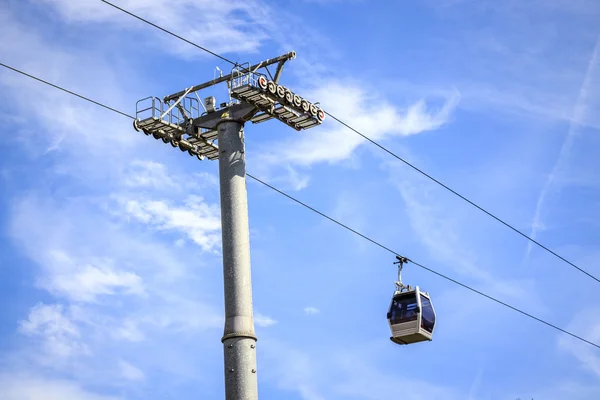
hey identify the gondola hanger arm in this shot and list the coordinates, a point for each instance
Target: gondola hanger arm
(401, 261)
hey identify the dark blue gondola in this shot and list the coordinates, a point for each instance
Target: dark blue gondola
(411, 315)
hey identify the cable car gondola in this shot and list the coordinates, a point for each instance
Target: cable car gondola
(411, 315)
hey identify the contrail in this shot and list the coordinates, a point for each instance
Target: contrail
(475, 385)
(579, 113)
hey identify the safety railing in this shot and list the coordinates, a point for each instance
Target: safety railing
(154, 108)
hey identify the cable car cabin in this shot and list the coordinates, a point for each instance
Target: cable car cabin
(411, 317)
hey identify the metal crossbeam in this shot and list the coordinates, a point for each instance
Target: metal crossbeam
(281, 59)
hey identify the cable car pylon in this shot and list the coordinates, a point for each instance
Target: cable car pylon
(210, 130)
(411, 315)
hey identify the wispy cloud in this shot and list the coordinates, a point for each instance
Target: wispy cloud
(148, 174)
(68, 122)
(29, 386)
(515, 66)
(366, 112)
(85, 250)
(579, 115)
(296, 372)
(129, 329)
(335, 373)
(125, 302)
(586, 322)
(453, 241)
(311, 310)
(476, 385)
(222, 27)
(88, 281)
(58, 335)
(263, 320)
(438, 230)
(196, 219)
(130, 372)
(104, 315)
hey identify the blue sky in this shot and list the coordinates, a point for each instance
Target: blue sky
(111, 284)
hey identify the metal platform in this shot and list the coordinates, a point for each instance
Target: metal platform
(154, 124)
(173, 126)
(179, 120)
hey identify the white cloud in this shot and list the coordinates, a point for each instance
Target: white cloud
(78, 278)
(199, 221)
(513, 7)
(515, 65)
(436, 229)
(350, 206)
(148, 174)
(59, 336)
(144, 173)
(568, 389)
(293, 370)
(176, 302)
(82, 133)
(333, 2)
(130, 372)
(263, 320)
(164, 210)
(205, 178)
(291, 177)
(128, 330)
(222, 27)
(31, 387)
(87, 282)
(365, 112)
(180, 293)
(178, 313)
(459, 241)
(49, 319)
(311, 310)
(580, 115)
(371, 383)
(331, 143)
(336, 373)
(585, 323)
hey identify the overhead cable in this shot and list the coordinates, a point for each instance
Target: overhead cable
(384, 149)
(337, 222)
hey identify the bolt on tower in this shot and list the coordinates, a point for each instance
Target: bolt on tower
(207, 131)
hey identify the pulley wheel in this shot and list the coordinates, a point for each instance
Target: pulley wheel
(166, 139)
(174, 143)
(262, 82)
(289, 97)
(280, 92)
(313, 110)
(321, 115)
(297, 100)
(305, 106)
(155, 135)
(271, 87)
